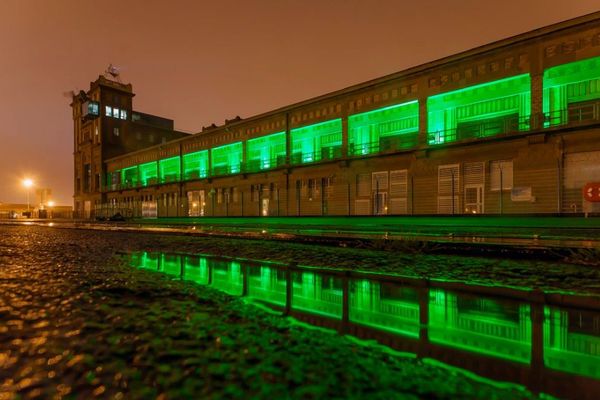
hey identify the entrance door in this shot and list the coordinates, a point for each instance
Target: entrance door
(473, 199)
(87, 209)
(196, 203)
(380, 203)
(264, 208)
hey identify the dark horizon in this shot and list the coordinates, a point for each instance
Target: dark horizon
(239, 59)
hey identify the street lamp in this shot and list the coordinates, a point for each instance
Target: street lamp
(28, 183)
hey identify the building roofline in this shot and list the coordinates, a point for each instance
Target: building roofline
(406, 73)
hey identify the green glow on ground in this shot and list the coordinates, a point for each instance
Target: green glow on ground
(385, 306)
(567, 84)
(171, 265)
(267, 284)
(317, 294)
(226, 159)
(195, 269)
(571, 342)
(480, 325)
(316, 142)
(265, 152)
(367, 130)
(195, 165)
(169, 169)
(480, 110)
(227, 276)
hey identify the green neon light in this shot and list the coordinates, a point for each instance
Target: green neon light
(319, 294)
(227, 276)
(481, 110)
(366, 129)
(170, 264)
(130, 176)
(568, 84)
(267, 284)
(148, 173)
(316, 142)
(195, 165)
(384, 306)
(195, 269)
(571, 342)
(144, 260)
(226, 159)
(265, 152)
(169, 169)
(480, 325)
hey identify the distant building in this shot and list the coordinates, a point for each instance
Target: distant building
(49, 211)
(509, 127)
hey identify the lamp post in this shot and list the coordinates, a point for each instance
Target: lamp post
(28, 183)
(50, 205)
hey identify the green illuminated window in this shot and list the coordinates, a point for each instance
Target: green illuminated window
(148, 173)
(170, 264)
(316, 142)
(319, 294)
(479, 111)
(267, 284)
(196, 269)
(481, 325)
(265, 152)
(145, 260)
(227, 276)
(169, 169)
(571, 341)
(569, 89)
(385, 306)
(383, 129)
(226, 159)
(130, 176)
(195, 165)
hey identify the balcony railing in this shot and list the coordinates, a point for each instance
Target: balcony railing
(326, 153)
(385, 144)
(481, 129)
(575, 115)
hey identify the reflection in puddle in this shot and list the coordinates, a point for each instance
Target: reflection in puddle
(547, 348)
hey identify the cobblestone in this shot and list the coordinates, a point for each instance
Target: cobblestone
(75, 322)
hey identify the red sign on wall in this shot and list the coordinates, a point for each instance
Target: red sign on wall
(591, 192)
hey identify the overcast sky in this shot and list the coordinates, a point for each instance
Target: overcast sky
(199, 62)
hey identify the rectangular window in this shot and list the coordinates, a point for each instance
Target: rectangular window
(388, 128)
(572, 92)
(195, 165)
(115, 113)
(169, 169)
(148, 173)
(501, 174)
(316, 142)
(108, 110)
(226, 159)
(478, 111)
(265, 152)
(116, 131)
(123, 114)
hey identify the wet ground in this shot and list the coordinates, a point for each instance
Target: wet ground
(75, 322)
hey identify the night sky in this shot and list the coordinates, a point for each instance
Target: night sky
(200, 62)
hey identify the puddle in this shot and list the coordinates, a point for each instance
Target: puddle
(534, 339)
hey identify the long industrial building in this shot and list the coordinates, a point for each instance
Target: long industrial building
(512, 127)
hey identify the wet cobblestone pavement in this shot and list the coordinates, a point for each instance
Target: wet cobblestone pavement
(75, 322)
